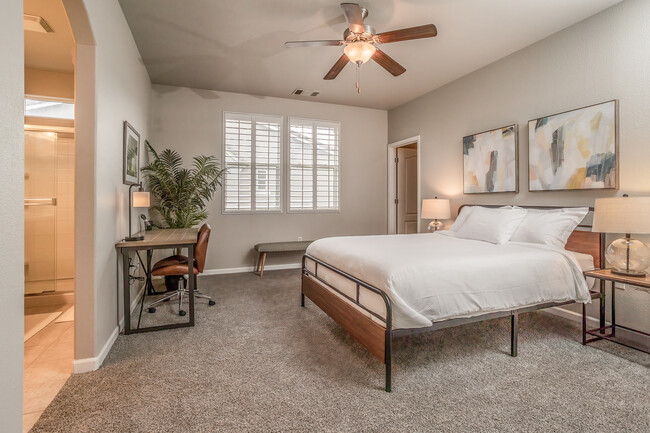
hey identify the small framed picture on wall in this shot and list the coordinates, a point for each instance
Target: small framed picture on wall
(131, 171)
(490, 161)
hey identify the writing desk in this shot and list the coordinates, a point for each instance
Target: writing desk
(155, 240)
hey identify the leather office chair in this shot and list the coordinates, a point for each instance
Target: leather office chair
(177, 266)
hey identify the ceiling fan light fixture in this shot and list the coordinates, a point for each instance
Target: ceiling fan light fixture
(359, 52)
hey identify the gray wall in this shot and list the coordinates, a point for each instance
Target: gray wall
(122, 92)
(604, 57)
(190, 121)
(11, 215)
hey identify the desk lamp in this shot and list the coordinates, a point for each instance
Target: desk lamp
(138, 198)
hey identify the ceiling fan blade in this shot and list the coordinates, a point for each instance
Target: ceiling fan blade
(338, 67)
(330, 43)
(388, 63)
(419, 32)
(353, 16)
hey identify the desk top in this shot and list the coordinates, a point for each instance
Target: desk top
(607, 275)
(162, 238)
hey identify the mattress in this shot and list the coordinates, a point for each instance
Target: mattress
(434, 277)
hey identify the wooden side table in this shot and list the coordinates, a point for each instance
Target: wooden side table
(602, 333)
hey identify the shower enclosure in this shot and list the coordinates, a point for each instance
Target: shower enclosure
(49, 211)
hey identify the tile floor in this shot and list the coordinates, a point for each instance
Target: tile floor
(48, 365)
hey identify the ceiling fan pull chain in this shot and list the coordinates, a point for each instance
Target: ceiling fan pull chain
(358, 75)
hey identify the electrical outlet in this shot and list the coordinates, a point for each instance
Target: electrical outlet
(299, 238)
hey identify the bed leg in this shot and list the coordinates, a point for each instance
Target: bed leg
(584, 324)
(302, 292)
(514, 332)
(388, 358)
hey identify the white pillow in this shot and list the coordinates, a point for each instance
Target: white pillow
(461, 218)
(549, 226)
(491, 225)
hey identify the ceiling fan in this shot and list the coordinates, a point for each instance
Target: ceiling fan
(360, 40)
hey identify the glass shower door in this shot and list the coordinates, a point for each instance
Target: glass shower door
(40, 211)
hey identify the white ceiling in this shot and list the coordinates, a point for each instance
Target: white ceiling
(237, 45)
(50, 51)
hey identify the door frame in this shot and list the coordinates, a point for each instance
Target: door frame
(392, 207)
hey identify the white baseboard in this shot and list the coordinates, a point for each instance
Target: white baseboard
(250, 269)
(592, 322)
(91, 364)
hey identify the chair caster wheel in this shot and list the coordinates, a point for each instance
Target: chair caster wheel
(211, 302)
(152, 310)
(181, 312)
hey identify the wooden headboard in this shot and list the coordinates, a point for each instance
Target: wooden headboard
(582, 239)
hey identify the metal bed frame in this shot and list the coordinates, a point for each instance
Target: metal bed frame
(358, 322)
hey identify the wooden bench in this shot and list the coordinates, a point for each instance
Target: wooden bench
(276, 247)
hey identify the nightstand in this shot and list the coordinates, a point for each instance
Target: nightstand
(609, 332)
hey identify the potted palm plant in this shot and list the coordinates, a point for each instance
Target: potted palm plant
(180, 193)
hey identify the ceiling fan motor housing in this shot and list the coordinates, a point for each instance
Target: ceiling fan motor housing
(367, 35)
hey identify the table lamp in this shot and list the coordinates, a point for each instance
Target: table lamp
(435, 209)
(137, 199)
(629, 257)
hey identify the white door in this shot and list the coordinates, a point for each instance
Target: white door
(407, 190)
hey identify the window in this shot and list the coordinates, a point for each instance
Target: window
(313, 165)
(252, 154)
(52, 109)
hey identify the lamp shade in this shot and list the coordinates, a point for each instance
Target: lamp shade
(622, 215)
(436, 208)
(141, 199)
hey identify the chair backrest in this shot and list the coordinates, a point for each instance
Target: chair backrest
(201, 249)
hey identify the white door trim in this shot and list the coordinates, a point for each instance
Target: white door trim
(392, 152)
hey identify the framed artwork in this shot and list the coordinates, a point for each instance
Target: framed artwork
(131, 173)
(490, 161)
(574, 150)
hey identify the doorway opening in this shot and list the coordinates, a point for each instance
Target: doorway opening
(49, 205)
(404, 199)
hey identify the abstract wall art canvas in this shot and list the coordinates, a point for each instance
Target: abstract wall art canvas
(575, 150)
(490, 161)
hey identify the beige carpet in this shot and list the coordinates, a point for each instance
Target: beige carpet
(257, 361)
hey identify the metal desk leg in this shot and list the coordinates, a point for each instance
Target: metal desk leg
(602, 306)
(613, 309)
(126, 290)
(149, 284)
(192, 281)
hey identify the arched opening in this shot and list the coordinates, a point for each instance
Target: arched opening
(59, 164)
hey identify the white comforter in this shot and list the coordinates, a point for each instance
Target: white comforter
(432, 277)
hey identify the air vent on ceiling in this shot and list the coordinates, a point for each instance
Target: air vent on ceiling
(305, 92)
(35, 23)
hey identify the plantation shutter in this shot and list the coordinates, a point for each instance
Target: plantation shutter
(313, 165)
(252, 155)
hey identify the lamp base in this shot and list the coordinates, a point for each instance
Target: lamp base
(435, 225)
(134, 238)
(626, 273)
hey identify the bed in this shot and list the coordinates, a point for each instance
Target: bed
(382, 287)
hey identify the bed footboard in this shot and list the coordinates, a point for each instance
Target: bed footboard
(350, 312)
